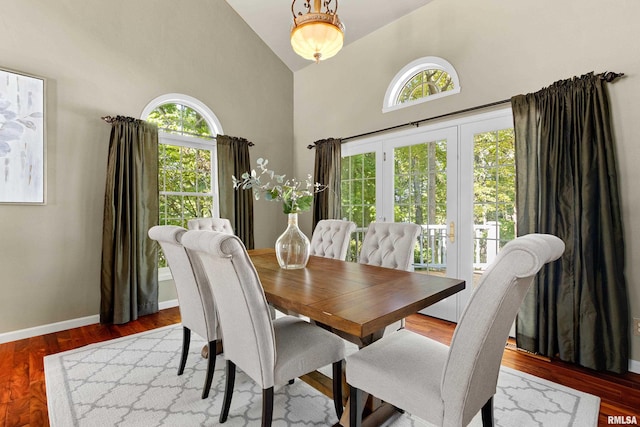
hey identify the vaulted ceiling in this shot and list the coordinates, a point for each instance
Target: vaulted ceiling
(272, 20)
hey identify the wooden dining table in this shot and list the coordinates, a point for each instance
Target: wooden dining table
(355, 301)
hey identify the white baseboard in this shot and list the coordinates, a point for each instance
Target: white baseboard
(48, 329)
(163, 305)
(64, 325)
(634, 366)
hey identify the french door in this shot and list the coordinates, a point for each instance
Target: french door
(456, 180)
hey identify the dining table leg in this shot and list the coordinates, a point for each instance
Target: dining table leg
(205, 350)
(375, 412)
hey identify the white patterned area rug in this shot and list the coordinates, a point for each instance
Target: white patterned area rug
(133, 381)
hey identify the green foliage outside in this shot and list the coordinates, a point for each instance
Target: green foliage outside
(495, 181)
(184, 172)
(180, 119)
(425, 83)
(420, 191)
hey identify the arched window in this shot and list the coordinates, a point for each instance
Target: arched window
(187, 163)
(422, 80)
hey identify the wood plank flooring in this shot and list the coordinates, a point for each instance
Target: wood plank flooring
(23, 399)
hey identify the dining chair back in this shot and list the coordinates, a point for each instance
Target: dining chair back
(195, 300)
(222, 225)
(271, 352)
(448, 386)
(390, 244)
(331, 237)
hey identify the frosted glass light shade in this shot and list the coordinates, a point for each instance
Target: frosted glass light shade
(316, 40)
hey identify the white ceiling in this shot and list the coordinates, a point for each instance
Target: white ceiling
(272, 19)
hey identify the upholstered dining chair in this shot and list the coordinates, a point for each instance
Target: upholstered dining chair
(271, 352)
(448, 386)
(331, 237)
(222, 225)
(390, 245)
(195, 300)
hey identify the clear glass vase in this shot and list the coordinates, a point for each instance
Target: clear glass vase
(292, 247)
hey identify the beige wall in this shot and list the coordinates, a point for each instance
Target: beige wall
(107, 58)
(113, 57)
(499, 49)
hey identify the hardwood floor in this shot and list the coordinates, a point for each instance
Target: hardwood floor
(23, 399)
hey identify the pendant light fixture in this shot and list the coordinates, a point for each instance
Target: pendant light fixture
(317, 34)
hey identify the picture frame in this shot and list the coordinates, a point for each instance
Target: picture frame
(22, 138)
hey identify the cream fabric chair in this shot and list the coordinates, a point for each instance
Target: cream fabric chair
(197, 308)
(447, 386)
(331, 238)
(390, 245)
(271, 352)
(222, 225)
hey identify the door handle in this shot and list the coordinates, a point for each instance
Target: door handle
(452, 232)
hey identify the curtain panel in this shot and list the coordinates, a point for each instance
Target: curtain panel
(327, 168)
(235, 205)
(129, 277)
(567, 185)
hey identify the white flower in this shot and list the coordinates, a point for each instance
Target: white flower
(294, 197)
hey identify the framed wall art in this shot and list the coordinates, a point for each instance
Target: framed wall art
(22, 138)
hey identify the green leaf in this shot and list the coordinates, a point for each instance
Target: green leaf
(304, 203)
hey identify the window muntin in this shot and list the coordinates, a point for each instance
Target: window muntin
(422, 80)
(185, 182)
(180, 119)
(358, 189)
(494, 194)
(187, 161)
(425, 83)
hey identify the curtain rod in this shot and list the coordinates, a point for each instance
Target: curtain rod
(111, 119)
(608, 76)
(417, 123)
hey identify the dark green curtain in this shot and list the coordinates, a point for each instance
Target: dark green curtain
(567, 185)
(235, 205)
(129, 278)
(327, 168)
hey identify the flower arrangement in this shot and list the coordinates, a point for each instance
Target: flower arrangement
(296, 196)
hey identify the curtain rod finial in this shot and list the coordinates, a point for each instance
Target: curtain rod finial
(610, 76)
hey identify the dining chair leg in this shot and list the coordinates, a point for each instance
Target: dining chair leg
(228, 390)
(267, 407)
(337, 388)
(355, 407)
(186, 340)
(487, 413)
(211, 367)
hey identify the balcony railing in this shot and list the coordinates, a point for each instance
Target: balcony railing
(431, 246)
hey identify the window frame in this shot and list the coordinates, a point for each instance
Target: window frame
(403, 76)
(168, 138)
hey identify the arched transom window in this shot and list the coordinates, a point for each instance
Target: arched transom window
(422, 80)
